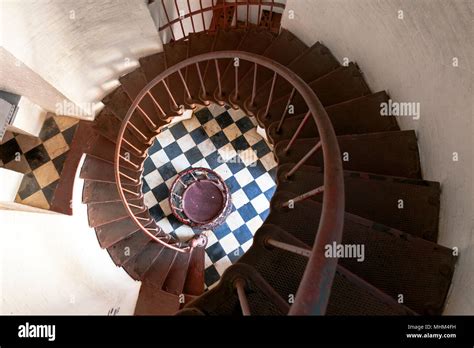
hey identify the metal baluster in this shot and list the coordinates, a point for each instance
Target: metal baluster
(173, 101)
(236, 70)
(202, 16)
(179, 16)
(254, 86)
(201, 81)
(304, 196)
(248, 13)
(270, 98)
(288, 247)
(147, 120)
(236, 14)
(239, 284)
(129, 178)
(259, 12)
(298, 131)
(168, 19)
(157, 105)
(185, 85)
(304, 159)
(219, 83)
(271, 15)
(285, 112)
(191, 17)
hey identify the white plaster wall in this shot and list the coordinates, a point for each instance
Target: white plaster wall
(29, 118)
(412, 59)
(53, 264)
(79, 46)
(16, 77)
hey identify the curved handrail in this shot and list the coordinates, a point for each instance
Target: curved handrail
(313, 292)
(213, 7)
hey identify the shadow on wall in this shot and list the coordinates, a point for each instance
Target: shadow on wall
(80, 48)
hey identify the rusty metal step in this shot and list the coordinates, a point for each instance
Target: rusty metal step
(256, 41)
(194, 283)
(377, 197)
(127, 248)
(283, 270)
(157, 273)
(104, 213)
(104, 149)
(340, 85)
(152, 66)
(356, 116)
(393, 261)
(176, 52)
(108, 126)
(98, 170)
(102, 192)
(225, 40)
(137, 266)
(199, 43)
(284, 49)
(151, 113)
(174, 282)
(119, 102)
(315, 62)
(154, 301)
(223, 299)
(115, 231)
(386, 153)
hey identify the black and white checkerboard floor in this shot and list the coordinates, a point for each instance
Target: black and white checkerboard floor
(227, 142)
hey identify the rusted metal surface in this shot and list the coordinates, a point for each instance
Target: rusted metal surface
(314, 291)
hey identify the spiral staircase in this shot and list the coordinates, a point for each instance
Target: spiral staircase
(378, 200)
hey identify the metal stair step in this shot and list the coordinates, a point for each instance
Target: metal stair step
(154, 301)
(283, 270)
(174, 282)
(341, 84)
(199, 43)
(119, 102)
(376, 197)
(98, 170)
(141, 263)
(149, 112)
(104, 149)
(284, 49)
(393, 261)
(194, 283)
(152, 66)
(226, 40)
(102, 192)
(176, 52)
(356, 116)
(127, 248)
(256, 41)
(103, 213)
(315, 62)
(223, 300)
(115, 231)
(385, 153)
(108, 126)
(157, 273)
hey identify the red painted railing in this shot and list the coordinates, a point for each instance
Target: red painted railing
(314, 290)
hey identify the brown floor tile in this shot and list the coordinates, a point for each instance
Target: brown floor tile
(20, 166)
(37, 200)
(46, 174)
(56, 146)
(26, 142)
(65, 122)
(6, 137)
(28, 186)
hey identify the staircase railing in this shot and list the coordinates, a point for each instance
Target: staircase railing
(313, 293)
(183, 17)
